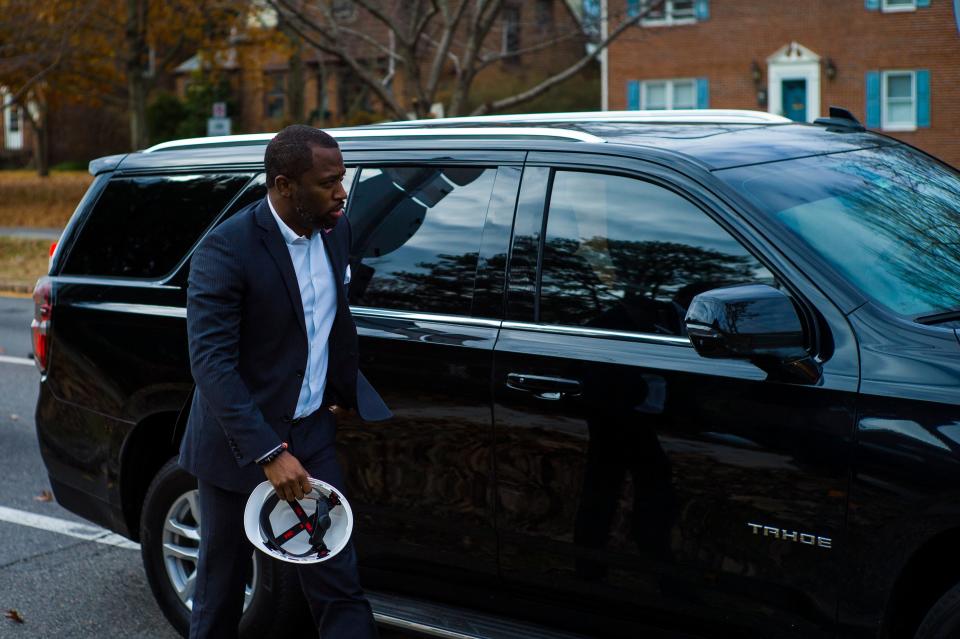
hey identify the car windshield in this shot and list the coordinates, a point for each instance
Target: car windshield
(887, 218)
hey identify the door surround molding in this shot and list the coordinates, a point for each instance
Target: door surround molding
(794, 62)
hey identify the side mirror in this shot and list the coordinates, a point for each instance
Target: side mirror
(755, 322)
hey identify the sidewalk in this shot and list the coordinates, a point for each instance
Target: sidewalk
(28, 233)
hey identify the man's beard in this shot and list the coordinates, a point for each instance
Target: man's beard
(310, 219)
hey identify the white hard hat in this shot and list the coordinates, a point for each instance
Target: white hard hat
(305, 531)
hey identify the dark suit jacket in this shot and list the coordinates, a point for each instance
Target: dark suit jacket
(248, 347)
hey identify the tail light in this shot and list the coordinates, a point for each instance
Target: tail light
(40, 326)
(53, 250)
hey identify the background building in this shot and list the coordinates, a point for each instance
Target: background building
(894, 63)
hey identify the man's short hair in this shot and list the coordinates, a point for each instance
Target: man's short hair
(290, 152)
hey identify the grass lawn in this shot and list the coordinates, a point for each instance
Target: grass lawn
(28, 200)
(22, 261)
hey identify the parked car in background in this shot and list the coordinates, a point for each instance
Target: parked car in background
(694, 373)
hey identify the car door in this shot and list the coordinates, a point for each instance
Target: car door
(426, 285)
(639, 484)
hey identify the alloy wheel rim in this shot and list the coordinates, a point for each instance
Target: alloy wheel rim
(181, 547)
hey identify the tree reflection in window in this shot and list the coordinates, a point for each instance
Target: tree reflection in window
(629, 255)
(887, 219)
(416, 236)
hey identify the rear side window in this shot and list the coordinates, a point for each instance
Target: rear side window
(628, 255)
(416, 236)
(142, 226)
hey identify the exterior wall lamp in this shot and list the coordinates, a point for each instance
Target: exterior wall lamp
(757, 75)
(830, 69)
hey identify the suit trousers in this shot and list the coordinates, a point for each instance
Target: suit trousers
(332, 588)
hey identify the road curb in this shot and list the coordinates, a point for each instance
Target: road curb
(20, 291)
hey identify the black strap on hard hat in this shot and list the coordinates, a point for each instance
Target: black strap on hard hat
(316, 525)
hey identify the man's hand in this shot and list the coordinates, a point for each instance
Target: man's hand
(339, 411)
(288, 477)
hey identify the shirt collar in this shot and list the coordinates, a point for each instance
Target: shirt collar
(289, 235)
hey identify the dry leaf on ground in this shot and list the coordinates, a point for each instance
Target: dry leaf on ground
(14, 615)
(44, 495)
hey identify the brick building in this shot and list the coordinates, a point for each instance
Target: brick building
(894, 63)
(268, 91)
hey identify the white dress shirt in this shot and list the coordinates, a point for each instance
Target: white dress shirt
(318, 293)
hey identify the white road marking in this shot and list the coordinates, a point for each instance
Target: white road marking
(65, 527)
(6, 359)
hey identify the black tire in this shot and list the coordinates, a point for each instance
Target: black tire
(942, 621)
(277, 606)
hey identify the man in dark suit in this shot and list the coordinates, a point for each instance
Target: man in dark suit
(273, 351)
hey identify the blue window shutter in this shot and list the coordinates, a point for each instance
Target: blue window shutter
(703, 93)
(702, 9)
(873, 99)
(633, 95)
(871, 5)
(923, 3)
(923, 98)
(633, 8)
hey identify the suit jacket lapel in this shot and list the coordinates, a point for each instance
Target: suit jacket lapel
(273, 241)
(336, 263)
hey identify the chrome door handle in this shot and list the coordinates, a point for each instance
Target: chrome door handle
(543, 387)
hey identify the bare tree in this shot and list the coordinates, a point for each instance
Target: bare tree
(427, 38)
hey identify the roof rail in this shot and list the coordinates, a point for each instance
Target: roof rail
(678, 116)
(372, 132)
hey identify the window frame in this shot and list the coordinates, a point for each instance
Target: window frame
(275, 92)
(885, 123)
(670, 84)
(887, 7)
(668, 19)
(511, 30)
(171, 277)
(12, 114)
(489, 161)
(810, 326)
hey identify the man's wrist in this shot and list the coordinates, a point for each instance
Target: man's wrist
(273, 454)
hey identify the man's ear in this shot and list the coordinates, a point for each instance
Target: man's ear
(283, 185)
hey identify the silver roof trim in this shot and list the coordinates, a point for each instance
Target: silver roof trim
(388, 132)
(677, 116)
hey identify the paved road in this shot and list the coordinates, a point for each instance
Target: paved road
(62, 585)
(15, 316)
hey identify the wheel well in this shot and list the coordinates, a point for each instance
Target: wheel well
(932, 570)
(148, 447)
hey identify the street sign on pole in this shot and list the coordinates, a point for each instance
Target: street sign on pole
(219, 109)
(218, 126)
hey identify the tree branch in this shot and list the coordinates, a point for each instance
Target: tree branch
(386, 20)
(485, 61)
(554, 80)
(330, 36)
(450, 25)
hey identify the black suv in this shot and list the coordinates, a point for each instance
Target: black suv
(693, 373)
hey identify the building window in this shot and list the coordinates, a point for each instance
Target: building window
(668, 94)
(669, 12)
(899, 100)
(899, 5)
(12, 124)
(511, 30)
(343, 10)
(276, 96)
(544, 13)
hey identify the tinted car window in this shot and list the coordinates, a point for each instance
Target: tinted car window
(624, 254)
(888, 219)
(416, 236)
(141, 227)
